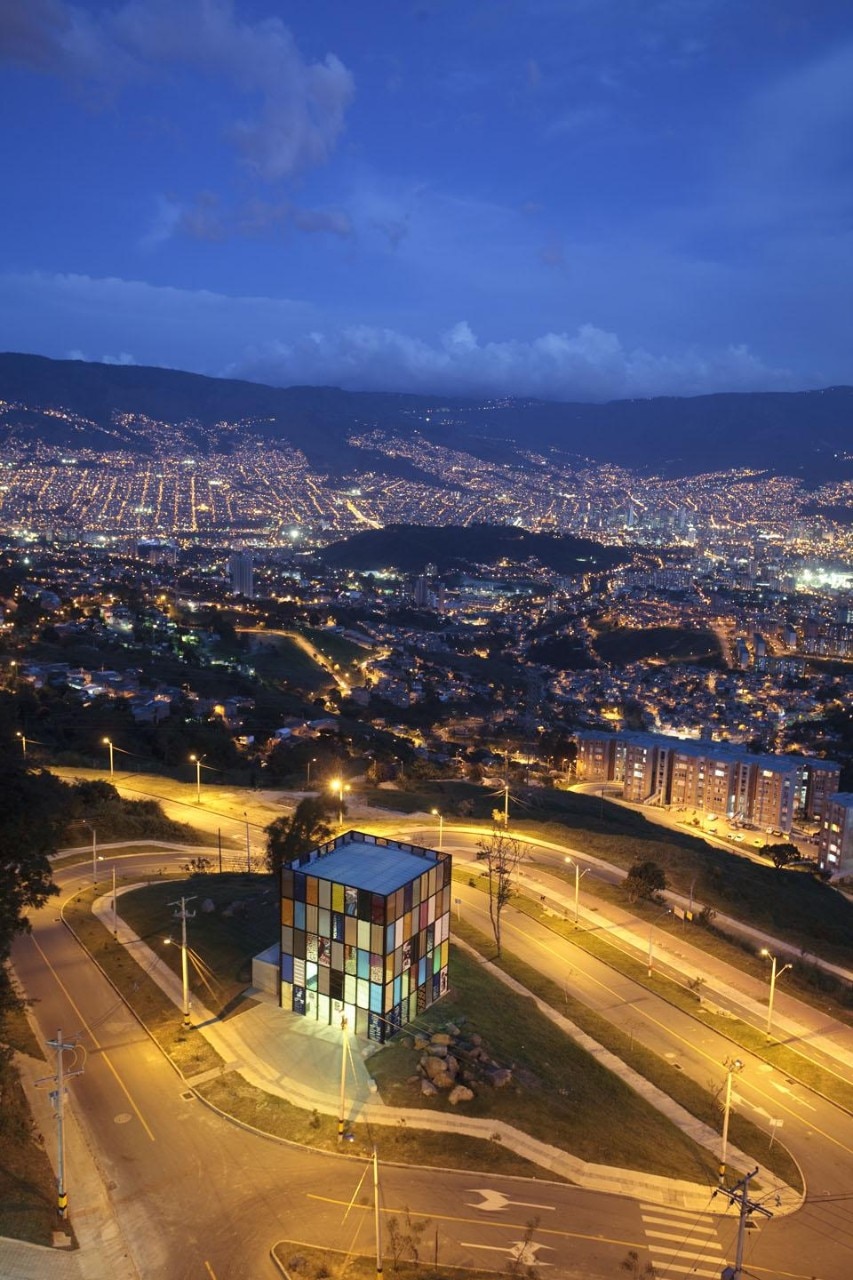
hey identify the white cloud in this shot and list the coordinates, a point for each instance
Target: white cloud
(294, 109)
(590, 364)
(286, 342)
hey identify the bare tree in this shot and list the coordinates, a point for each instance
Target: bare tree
(502, 854)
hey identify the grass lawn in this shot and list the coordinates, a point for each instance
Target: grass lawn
(277, 656)
(309, 1263)
(558, 1092)
(821, 990)
(689, 1095)
(445, 795)
(244, 921)
(394, 1143)
(187, 1049)
(27, 1180)
(787, 904)
(335, 647)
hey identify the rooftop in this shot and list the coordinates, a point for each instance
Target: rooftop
(365, 864)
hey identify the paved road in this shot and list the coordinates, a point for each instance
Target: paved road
(818, 1134)
(198, 1197)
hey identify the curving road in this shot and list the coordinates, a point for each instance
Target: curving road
(195, 1196)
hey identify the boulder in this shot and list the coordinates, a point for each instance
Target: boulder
(499, 1077)
(437, 1050)
(476, 1039)
(428, 1089)
(440, 1037)
(434, 1067)
(451, 1030)
(459, 1094)
(421, 1043)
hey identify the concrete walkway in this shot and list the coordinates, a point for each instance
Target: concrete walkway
(289, 1056)
(299, 1060)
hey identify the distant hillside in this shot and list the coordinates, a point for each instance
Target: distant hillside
(798, 433)
(453, 548)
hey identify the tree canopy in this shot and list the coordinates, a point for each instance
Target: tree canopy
(644, 880)
(290, 836)
(34, 809)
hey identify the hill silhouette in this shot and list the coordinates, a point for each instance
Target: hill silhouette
(804, 433)
(453, 548)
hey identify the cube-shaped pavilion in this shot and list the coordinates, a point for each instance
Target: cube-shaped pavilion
(365, 926)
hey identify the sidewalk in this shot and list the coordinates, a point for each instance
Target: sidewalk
(284, 1054)
(828, 1041)
(102, 1254)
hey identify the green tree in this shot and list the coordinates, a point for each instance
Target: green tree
(35, 809)
(291, 836)
(781, 855)
(644, 880)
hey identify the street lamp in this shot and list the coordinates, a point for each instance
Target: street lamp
(339, 786)
(23, 738)
(108, 743)
(773, 976)
(440, 817)
(666, 912)
(183, 915)
(196, 760)
(95, 858)
(578, 877)
(313, 760)
(732, 1065)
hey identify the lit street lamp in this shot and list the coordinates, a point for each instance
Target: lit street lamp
(339, 787)
(108, 743)
(183, 915)
(197, 762)
(773, 976)
(313, 760)
(440, 817)
(578, 877)
(23, 739)
(732, 1065)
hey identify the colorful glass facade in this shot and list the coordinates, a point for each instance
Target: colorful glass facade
(365, 928)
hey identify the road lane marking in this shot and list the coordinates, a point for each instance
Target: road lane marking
(496, 1202)
(773, 1272)
(103, 1053)
(521, 1251)
(662, 1026)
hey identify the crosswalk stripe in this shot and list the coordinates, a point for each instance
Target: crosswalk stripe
(680, 1238)
(679, 1269)
(680, 1223)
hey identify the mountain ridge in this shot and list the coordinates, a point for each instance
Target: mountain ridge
(803, 433)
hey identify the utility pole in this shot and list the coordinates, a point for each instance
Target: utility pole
(342, 1106)
(57, 1097)
(183, 915)
(248, 846)
(739, 1195)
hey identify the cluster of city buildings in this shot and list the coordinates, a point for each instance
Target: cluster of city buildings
(767, 793)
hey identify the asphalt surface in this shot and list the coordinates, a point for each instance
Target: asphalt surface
(196, 1196)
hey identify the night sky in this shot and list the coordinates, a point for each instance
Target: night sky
(567, 198)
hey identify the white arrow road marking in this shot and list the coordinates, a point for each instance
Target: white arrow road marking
(521, 1250)
(496, 1201)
